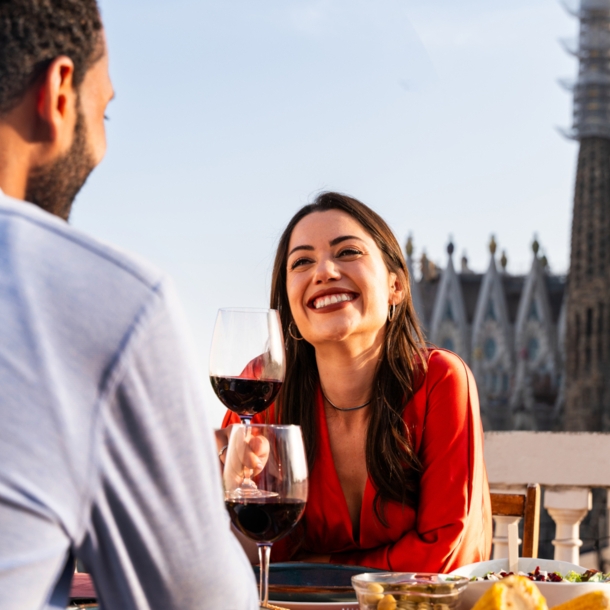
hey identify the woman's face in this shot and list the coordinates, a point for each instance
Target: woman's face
(338, 285)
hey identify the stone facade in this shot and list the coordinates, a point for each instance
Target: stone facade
(587, 391)
(588, 304)
(508, 328)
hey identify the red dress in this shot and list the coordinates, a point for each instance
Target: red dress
(452, 523)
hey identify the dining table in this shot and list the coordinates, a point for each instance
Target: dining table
(301, 584)
(293, 586)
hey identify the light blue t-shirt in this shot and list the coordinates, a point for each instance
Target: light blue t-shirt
(105, 445)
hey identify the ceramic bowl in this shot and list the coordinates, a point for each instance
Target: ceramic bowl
(554, 592)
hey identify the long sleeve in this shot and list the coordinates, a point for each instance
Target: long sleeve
(453, 517)
(157, 535)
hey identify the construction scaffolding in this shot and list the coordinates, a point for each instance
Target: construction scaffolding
(591, 117)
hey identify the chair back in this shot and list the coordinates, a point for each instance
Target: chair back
(526, 506)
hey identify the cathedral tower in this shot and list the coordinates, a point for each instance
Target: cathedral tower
(587, 389)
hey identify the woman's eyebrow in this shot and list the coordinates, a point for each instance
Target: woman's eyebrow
(338, 240)
(333, 242)
(296, 248)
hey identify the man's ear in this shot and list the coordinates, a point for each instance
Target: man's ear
(56, 101)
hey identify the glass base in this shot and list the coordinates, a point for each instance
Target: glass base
(249, 493)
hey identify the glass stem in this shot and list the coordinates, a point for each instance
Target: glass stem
(264, 552)
(247, 482)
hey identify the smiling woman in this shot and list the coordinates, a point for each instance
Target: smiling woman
(392, 427)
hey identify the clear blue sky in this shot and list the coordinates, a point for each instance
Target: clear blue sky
(231, 114)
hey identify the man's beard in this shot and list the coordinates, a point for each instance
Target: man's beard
(54, 186)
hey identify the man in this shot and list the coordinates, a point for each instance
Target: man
(106, 453)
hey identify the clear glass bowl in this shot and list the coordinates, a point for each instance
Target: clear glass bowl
(408, 591)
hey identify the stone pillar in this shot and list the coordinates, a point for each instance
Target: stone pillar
(500, 539)
(567, 507)
(501, 523)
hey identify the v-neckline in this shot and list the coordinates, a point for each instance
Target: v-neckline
(325, 438)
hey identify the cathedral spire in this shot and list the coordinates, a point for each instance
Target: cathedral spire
(449, 326)
(504, 261)
(493, 246)
(587, 391)
(591, 117)
(536, 349)
(492, 360)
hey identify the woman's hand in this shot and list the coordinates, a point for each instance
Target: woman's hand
(246, 457)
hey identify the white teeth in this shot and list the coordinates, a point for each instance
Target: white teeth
(332, 299)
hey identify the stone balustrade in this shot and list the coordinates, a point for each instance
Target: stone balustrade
(566, 464)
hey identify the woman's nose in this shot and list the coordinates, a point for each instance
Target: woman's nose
(326, 270)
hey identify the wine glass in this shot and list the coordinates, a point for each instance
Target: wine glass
(247, 359)
(276, 456)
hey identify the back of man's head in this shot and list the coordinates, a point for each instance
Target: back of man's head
(34, 32)
(54, 89)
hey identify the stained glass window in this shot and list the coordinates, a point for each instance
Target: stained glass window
(489, 348)
(449, 312)
(490, 314)
(533, 347)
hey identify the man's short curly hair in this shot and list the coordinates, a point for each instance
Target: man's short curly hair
(34, 32)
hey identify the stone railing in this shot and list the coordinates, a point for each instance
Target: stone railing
(567, 465)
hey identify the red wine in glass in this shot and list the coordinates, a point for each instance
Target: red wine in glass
(247, 359)
(265, 519)
(243, 396)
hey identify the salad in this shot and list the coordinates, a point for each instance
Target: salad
(543, 576)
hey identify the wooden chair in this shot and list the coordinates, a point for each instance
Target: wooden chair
(526, 506)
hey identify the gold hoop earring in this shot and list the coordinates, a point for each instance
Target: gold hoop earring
(291, 333)
(391, 312)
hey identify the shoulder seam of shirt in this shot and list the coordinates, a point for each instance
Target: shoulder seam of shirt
(440, 352)
(111, 378)
(92, 246)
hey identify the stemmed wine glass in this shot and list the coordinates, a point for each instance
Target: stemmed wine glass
(247, 366)
(276, 455)
(247, 360)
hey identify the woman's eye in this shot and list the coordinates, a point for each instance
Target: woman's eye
(349, 252)
(300, 262)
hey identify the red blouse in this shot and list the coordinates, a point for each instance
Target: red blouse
(452, 523)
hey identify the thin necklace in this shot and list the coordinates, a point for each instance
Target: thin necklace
(348, 408)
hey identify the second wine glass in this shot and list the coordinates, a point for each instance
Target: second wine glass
(276, 455)
(247, 359)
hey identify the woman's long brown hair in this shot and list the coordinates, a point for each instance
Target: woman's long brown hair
(390, 458)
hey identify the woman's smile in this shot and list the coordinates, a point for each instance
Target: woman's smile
(325, 299)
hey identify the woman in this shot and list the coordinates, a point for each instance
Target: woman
(392, 428)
